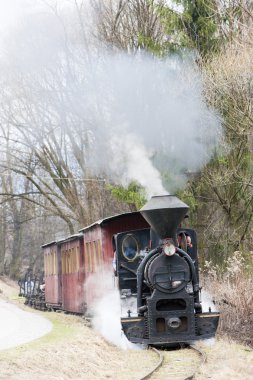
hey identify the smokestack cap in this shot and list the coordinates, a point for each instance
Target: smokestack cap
(164, 213)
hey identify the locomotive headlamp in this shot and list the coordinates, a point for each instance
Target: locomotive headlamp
(168, 248)
(175, 284)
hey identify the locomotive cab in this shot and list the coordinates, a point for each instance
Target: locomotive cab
(162, 281)
(131, 247)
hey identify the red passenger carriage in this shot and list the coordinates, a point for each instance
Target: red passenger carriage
(70, 263)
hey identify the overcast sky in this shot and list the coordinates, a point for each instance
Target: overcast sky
(10, 12)
(13, 15)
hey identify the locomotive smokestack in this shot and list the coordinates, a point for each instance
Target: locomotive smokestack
(164, 213)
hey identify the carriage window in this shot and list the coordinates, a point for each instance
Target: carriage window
(55, 263)
(130, 247)
(100, 254)
(77, 258)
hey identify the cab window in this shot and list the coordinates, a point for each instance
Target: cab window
(130, 247)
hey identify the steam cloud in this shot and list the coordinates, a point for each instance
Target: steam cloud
(107, 320)
(106, 308)
(142, 115)
(207, 302)
(153, 119)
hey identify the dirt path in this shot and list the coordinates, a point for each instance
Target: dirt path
(18, 326)
(74, 351)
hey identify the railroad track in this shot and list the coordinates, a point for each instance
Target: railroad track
(159, 364)
(176, 364)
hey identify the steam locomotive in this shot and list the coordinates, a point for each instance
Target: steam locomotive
(155, 266)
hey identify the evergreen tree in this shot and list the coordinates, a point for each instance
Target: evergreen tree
(200, 25)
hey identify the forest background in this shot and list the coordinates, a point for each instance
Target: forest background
(51, 184)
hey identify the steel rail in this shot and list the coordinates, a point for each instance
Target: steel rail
(203, 360)
(161, 357)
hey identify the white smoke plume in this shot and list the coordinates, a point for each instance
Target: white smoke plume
(153, 119)
(106, 321)
(207, 302)
(105, 308)
(145, 118)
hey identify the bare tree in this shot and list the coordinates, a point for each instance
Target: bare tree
(224, 188)
(130, 24)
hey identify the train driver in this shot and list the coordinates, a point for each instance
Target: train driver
(184, 241)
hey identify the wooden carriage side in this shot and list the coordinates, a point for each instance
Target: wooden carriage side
(98, 247)
(71, 264)
(73, 274)
(52, 274)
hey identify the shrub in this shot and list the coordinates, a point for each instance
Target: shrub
(232, 292)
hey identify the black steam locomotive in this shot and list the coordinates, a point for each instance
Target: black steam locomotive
(163, 284)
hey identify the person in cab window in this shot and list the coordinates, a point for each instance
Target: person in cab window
(184, 241)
